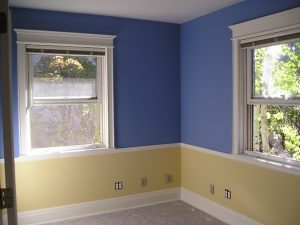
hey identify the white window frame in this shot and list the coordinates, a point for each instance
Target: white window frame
(65, 40)
(279, 24)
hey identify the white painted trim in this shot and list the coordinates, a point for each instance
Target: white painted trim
(238, 99)
(283, 23)
(277, 22)
(23, 97)
(42, 37)
(133, 201)
(274, 159)
(91, 152)
(60, 213)
(206, 151)
(216, 210)
(111, 124)
(268, 164)
(69, 40)
(98, 207)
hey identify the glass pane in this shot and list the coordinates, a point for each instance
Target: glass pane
(57, 76)
(65, 125)
(276, 130)
(277, 71)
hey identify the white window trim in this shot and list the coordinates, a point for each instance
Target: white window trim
(65, 39)
(282, 23)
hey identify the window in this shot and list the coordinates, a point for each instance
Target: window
(65, 91)
(273, 108)
(266, 113)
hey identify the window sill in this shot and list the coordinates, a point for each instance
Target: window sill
(269, 164)
(65, 154)
(92, 152)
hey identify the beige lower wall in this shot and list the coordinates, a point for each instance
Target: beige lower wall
(268, 196)
(2, 182)
(265, 195)
(57, 182)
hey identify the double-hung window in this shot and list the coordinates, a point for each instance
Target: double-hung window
(65, 91)
(267, 87)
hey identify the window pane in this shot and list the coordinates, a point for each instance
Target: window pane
(276, 71)
(276, 130)
(65, 125)
(57, 76)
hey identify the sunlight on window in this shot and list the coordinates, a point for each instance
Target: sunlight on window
(63, 124)
(275, 127)
(275, 75)
(58, 76)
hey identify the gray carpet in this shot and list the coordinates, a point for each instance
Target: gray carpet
(171, 213)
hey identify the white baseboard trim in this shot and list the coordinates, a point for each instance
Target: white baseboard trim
(132, 201)
(98, 207)
(216, 210)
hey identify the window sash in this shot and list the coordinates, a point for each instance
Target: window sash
(250, 101)
(66, 100)
(31, 101)
(247, 54)
(248, 150)
(46, 150)
(288, 102)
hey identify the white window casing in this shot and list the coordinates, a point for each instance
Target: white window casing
(272, 26)
(66, 41)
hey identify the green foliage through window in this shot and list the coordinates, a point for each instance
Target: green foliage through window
(276, 74)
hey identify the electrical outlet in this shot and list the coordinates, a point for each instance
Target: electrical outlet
(212, 189)
(168, 178)
(143, 182)
(227, 194)
(118, 185)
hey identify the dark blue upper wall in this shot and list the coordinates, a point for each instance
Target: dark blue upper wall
(146, 71)
(206, 72)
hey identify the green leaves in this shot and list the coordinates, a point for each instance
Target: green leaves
(58, 67)
(259, 55)
(287, 73)
(282, 76)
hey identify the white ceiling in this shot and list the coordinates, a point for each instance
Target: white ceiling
(174, 11)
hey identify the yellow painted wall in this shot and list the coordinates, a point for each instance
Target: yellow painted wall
(56, 182)
(2, 175)
(268, 196)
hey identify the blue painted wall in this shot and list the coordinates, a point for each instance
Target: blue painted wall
(146, 65)
(161, 67)
(206, 72)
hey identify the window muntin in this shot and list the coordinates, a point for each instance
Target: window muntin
(272, 108)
